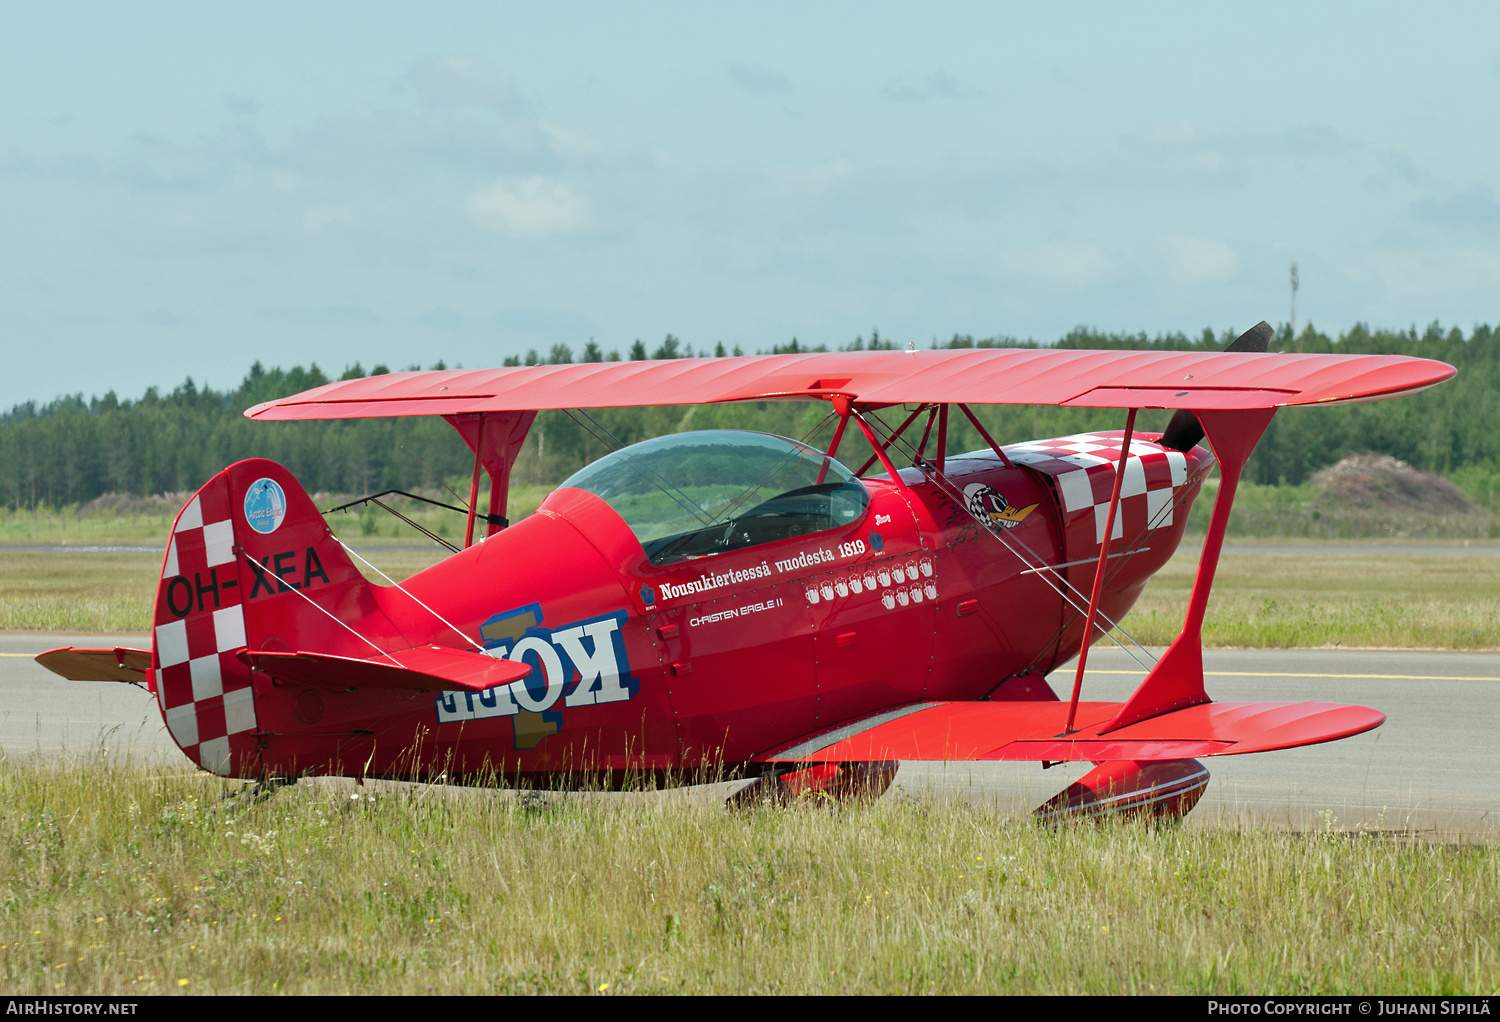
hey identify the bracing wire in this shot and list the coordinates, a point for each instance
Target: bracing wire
(321, 609)
(1037, 563)
(399, 586)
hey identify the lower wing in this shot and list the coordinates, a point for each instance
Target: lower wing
(1033, 731)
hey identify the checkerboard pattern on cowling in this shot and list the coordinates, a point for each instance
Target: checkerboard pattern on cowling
(1084, 467)
(203, 688)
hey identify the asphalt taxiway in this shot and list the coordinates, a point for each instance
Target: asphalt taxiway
(1434, 766)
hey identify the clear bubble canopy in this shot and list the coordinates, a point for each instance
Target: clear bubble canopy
(697, 494)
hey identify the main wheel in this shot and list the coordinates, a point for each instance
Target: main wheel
(842, 782)
(1161, 789)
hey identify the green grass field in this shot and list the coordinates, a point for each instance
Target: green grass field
(119, 882)
(1300, 600)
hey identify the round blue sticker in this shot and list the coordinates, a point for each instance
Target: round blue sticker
(265, 505)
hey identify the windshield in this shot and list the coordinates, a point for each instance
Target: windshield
(696, 494)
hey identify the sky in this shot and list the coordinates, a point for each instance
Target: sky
(185, 189)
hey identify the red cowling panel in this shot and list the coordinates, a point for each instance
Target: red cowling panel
(424, 669)
(1031, 731)
(971, 376)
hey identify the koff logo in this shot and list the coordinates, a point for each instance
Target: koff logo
(581, 664)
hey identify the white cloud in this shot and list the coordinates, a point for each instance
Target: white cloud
(1196, 261)
(587, 145)
(1209, 162)
(937, 85)
(1439, 277)
(243, 106)
(1063, 265)
(1475, 208)
(754, 78)
(326, 220)
(284, 182)
(532, 207)
(802, 184)
(1175, 133)
(464, 81)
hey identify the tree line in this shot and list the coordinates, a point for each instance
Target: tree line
(74, 449)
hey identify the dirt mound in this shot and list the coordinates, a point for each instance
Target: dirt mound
(1381, 482)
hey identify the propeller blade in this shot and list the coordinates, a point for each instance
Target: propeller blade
(1184, 431)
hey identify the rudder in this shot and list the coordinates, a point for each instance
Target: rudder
(243, 553)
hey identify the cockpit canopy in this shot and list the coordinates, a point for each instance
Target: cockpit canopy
(696, 494)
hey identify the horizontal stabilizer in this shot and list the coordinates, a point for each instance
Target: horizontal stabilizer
(1032, 732)
(118, 664)
(423, 668)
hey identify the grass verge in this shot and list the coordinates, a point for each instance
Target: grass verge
(1295, 600)
(124, 882)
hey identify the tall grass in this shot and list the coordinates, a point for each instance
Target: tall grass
(121, 882)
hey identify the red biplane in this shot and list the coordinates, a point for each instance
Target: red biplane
(738, 602)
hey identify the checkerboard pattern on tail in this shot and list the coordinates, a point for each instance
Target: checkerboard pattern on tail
(199, 628)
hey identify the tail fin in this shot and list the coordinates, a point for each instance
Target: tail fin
(247, 556)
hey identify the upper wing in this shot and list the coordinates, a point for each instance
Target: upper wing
(1104, 379)
(1031, 731)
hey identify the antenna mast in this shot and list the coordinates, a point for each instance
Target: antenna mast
(1294, 301)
